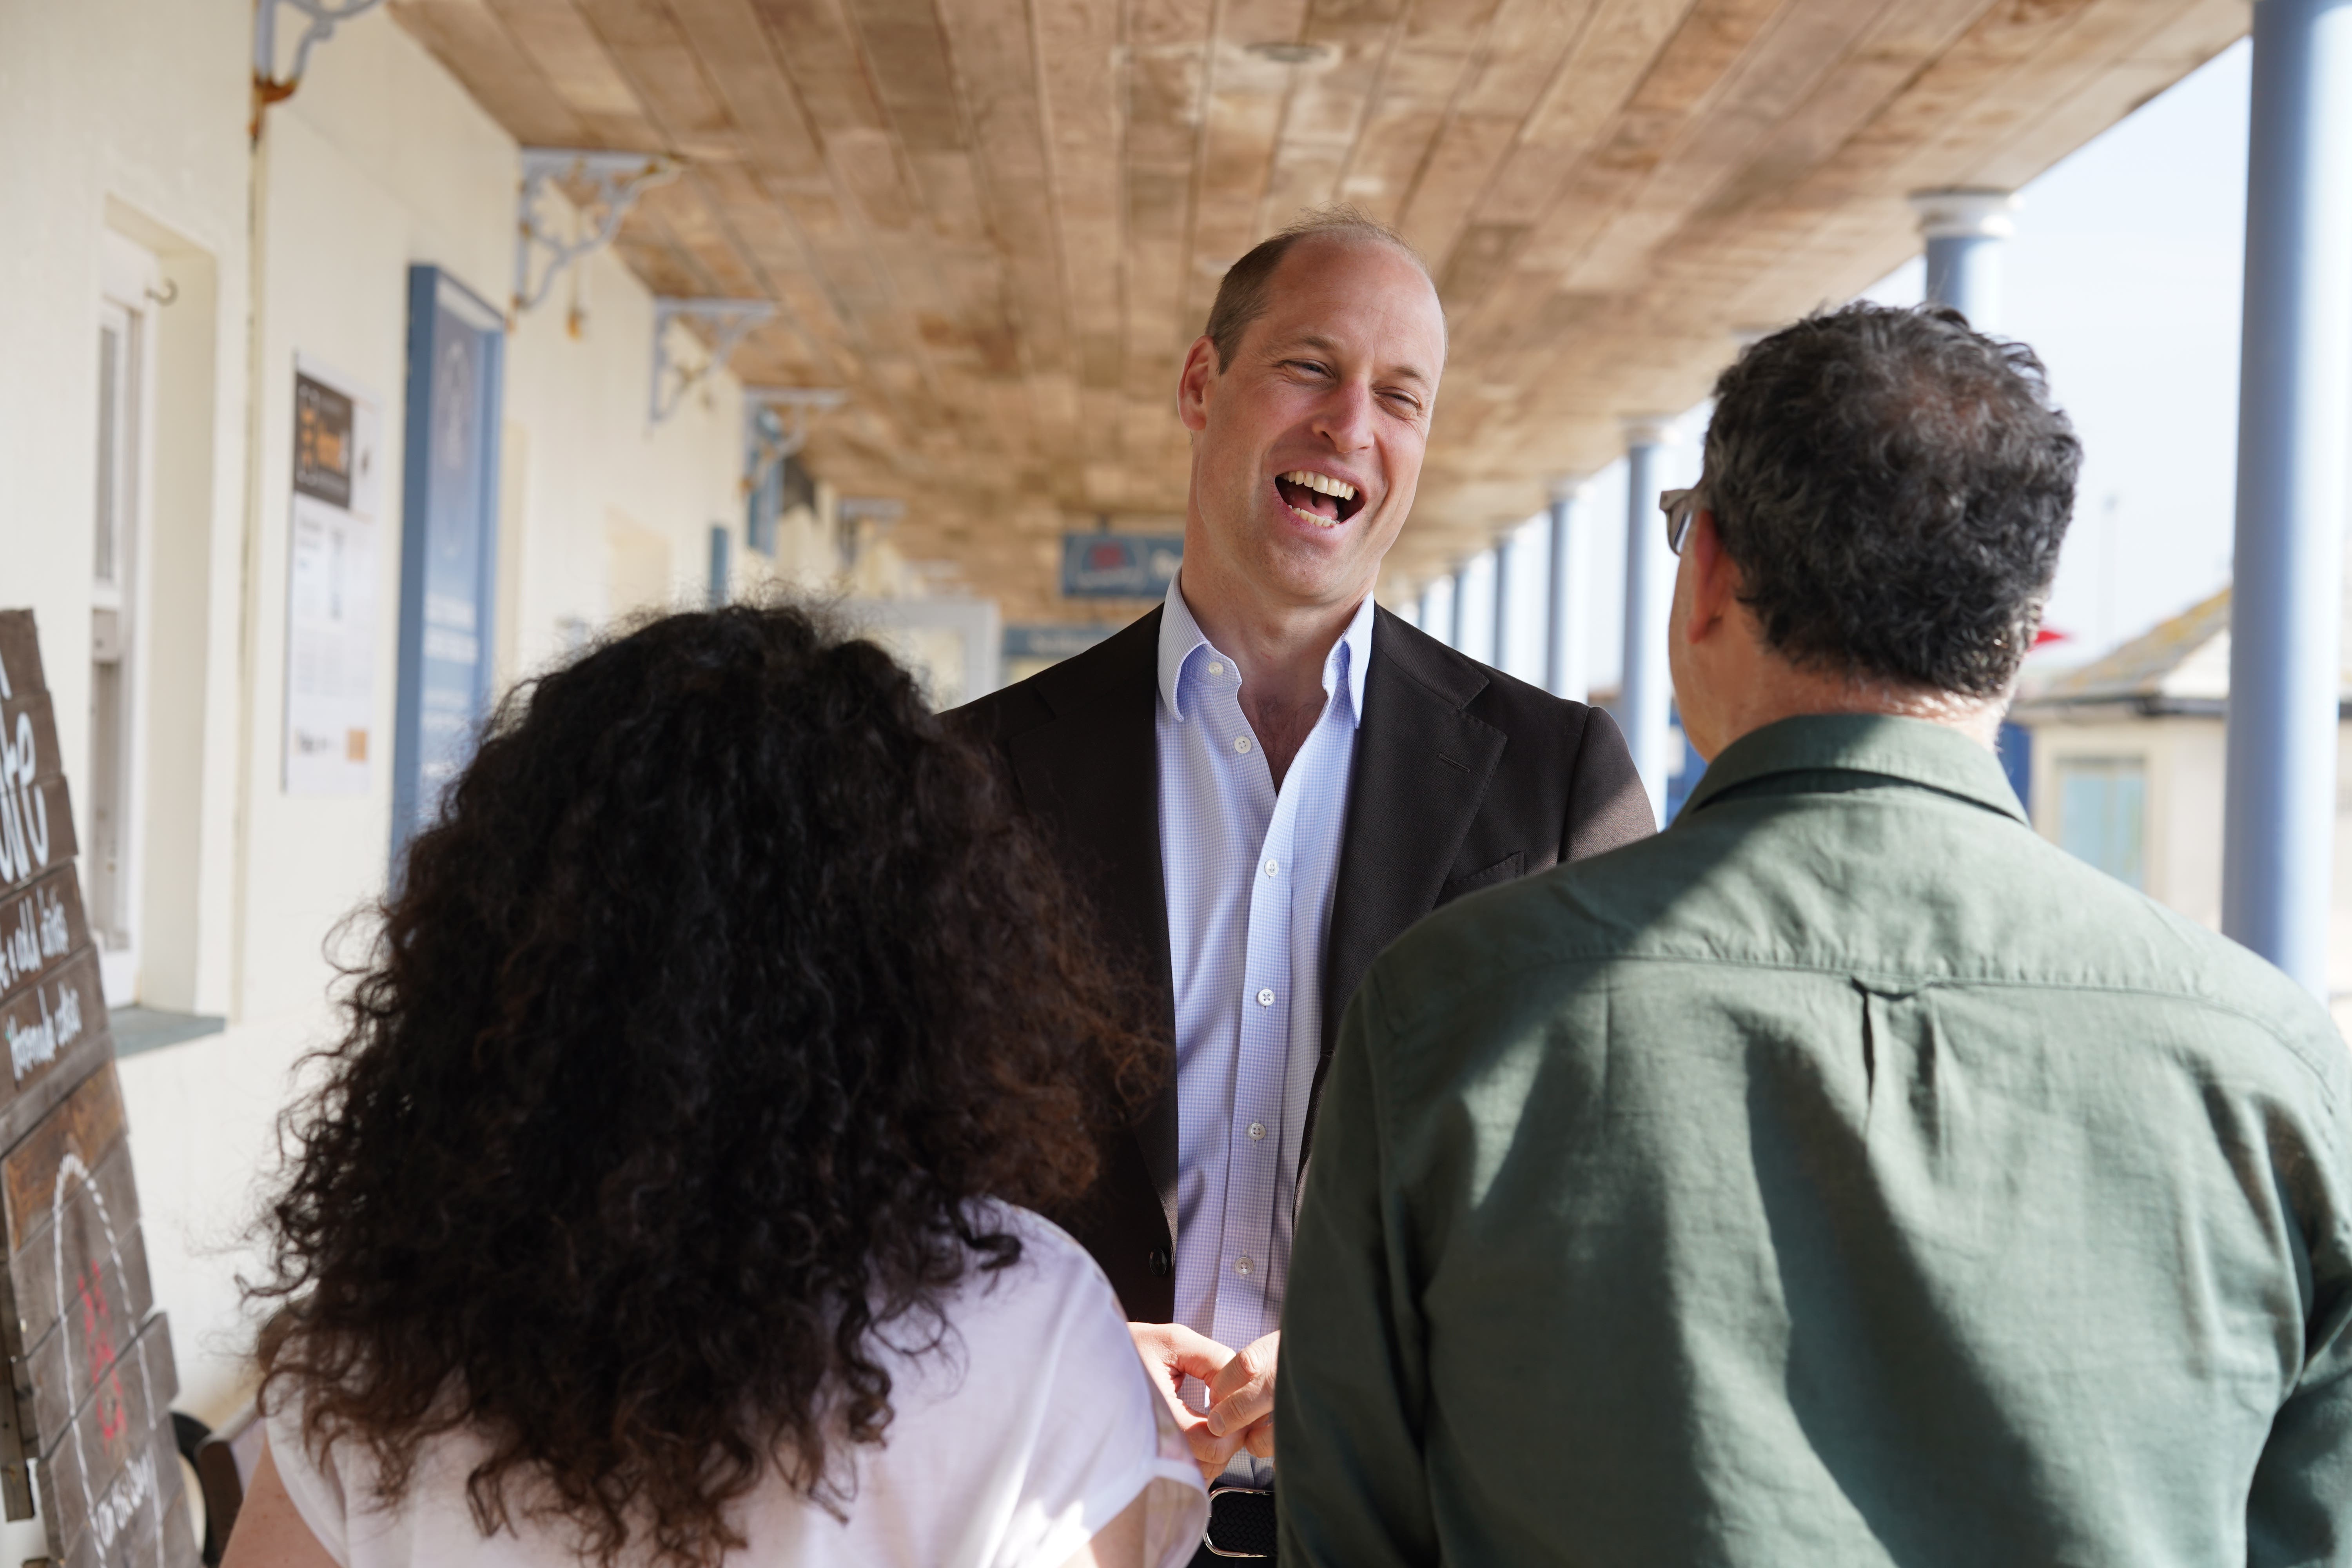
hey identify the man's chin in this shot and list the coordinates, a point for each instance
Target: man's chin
(1304, 573)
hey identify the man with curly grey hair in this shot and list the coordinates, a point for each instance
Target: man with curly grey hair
(1845, 1174)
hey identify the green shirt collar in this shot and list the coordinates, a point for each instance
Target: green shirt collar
(1912, 749)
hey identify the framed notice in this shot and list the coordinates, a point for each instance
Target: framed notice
(330, 585)
(448, 541)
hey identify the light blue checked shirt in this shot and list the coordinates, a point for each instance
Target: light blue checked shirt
(1249, 871)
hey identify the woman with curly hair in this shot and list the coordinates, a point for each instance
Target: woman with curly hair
(669, 1197)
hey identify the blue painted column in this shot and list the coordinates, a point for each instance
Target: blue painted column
(1565, 654)
(1502, 600)
(1964, 230)
(1645, 702)
(1437, 603)
(2294, 404)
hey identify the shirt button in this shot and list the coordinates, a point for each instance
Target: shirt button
(1242, 1266)
(1257, 1130)
(1240, 742)
(1266, 996)
(1271, 867)
(1216, 668)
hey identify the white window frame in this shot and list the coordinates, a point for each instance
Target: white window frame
(128, 294)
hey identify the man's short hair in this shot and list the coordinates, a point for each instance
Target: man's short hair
(1242, 296)
(1893, 488)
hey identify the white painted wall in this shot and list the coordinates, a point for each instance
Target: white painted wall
(129, 114)
(132, 114)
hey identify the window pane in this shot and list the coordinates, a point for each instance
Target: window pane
(2102, 814)
(109, 434)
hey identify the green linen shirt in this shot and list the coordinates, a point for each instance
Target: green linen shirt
(1844, 1175)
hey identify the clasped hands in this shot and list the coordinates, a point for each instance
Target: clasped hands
(1241, 1391)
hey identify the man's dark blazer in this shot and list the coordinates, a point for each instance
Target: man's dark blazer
(1463, 778)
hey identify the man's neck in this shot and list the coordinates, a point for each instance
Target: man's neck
(1279, 652)
(1797, 693)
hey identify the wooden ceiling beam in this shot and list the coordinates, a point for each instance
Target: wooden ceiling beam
(1000, 221)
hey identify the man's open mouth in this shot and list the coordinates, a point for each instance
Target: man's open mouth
(1321, 499)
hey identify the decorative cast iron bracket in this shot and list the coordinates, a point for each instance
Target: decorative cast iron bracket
(793, 406)
(730, 321)
(850, 512)
(616, 180)
(325, 16)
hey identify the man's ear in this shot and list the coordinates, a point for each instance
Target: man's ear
(1714, 578)
(1193, 386)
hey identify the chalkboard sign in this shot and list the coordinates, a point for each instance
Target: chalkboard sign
(87, 1422)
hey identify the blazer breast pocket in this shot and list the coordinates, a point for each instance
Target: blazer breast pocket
(1501, 872)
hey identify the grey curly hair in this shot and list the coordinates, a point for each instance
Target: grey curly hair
(1893, 488)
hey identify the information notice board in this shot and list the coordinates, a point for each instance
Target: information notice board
(86, 1423)
(331, 552)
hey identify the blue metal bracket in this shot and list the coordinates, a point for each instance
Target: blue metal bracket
(852, 513)
(792, 404)
(325, 16)
(730, 322)
(614, 181)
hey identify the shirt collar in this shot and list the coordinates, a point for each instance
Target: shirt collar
(1181, 637)
(1912, 749)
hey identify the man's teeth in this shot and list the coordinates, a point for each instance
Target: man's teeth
(1318, 483)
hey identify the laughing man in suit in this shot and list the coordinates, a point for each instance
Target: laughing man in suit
(1265, 780)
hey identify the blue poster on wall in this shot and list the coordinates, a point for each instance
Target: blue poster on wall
(1120, 565)
(448, 548)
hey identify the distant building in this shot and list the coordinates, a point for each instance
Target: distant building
(2127, 768)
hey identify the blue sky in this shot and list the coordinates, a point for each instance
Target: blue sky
(2125, 277)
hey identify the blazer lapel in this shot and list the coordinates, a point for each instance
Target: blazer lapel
(1095, 771)
(1421, 771)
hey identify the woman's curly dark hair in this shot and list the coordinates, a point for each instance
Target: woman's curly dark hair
(727, 982)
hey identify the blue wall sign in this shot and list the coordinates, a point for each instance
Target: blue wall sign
(449, 541)
(1120, 565)
(1051, 641)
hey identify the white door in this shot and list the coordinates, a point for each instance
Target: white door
(111, 815)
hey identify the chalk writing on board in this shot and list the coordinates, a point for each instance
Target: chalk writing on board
(32, 1045)
(85, 1416)
(120, 1502)
(39, 933)
(24, 812)
(123, 1500)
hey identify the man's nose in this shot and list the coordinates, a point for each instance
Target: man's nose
(1345, 418)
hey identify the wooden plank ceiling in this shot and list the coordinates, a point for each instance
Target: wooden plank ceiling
(998, 222)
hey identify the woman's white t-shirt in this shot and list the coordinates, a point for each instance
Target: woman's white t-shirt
(1032, 1429)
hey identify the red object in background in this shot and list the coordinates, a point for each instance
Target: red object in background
(2047, 635)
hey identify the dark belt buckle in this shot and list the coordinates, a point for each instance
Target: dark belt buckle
(1241, 1521)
